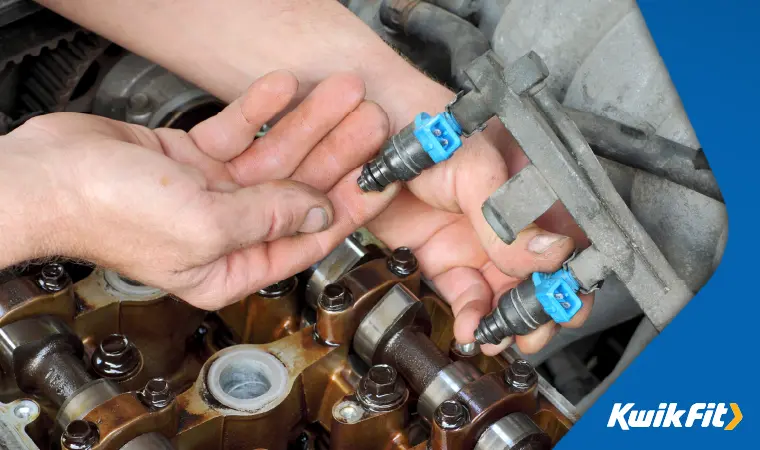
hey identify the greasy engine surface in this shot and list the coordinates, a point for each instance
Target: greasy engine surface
(357, 353)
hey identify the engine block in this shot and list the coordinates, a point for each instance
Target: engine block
(356, 353)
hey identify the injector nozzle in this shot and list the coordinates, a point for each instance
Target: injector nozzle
(534, 302)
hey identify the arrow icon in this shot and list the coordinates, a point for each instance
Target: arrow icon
(737, 417)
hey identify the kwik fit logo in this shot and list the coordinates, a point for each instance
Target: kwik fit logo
(669, 415)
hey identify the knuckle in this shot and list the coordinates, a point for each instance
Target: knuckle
(282, 218)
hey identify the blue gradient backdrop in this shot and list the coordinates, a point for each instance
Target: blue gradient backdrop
(710, 352)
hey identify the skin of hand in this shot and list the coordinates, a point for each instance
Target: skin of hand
(439, 216)
(210, 215)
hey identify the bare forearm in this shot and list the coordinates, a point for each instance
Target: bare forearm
(26, 214)
(224, 45)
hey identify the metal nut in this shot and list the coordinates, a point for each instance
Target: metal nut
(115, 358)
(521, 376)
(335, 297)
(156, 393)
(80, 435)
(381, 388)
(402, 262)
(279, 289)
(451, 415)
(53, 277)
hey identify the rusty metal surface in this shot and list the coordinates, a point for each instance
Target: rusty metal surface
(260, 319)
(367, 283)
(372, 431)
(488, 400)
(104, 310)
(124, 417)
(319, 375)
(22, 297)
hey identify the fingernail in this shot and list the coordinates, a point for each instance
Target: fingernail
(542, 242)
(316, 220)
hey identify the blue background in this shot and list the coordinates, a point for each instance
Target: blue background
(710, 352)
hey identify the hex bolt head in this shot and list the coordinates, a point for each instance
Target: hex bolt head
(521, 376)
(381, 388)
(53, 277)
(115, 358)
(80, 435)
(402, 262)
(381, 380)
(157, 393)
(451, 415)
(279, 289)
(335, 297)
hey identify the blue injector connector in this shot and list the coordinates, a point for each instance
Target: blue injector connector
(427, 141)
(557, 293)
(534, 302)
(440, 135)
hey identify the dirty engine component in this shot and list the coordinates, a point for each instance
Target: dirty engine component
(89, 364)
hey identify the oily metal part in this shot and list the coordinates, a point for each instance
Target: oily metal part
(515, 431)
(344, 258)
(149, 441)
(446, 385)
(86, 399)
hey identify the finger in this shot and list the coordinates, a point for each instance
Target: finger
(269, 211)
(229, 133)
(346, 147)
(493, 350)
(278, 154)
(469, 305)
(535, 341)
(464, 182)
(230, 278)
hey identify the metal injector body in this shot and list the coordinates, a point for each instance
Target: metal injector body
(532, 303)
(420, 145)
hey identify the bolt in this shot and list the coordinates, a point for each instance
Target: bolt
(279, 289)
(381, 380)
(381, 388)
(451, 415)
(521, 376)
(139, 103)
(402, 262)
(80, 435)
(115, 358)
(156, 393)
(335, 297)
(53, 277)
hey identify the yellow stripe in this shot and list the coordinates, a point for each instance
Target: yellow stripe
(737, 417)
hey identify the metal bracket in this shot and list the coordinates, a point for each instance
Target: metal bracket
(563, 167)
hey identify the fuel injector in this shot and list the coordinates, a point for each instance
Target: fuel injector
(420, 145)
(533, 302)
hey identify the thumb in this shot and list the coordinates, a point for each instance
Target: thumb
(269, 211)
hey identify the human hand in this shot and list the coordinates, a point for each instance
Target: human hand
(209, 215)
(440, 218)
